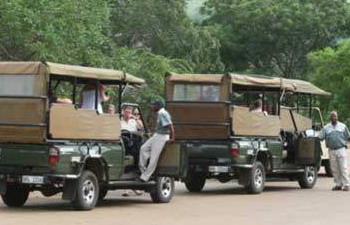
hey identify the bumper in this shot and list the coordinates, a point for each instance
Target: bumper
(31, 179)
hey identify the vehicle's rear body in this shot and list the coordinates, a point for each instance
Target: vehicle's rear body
(23, 103)
(49, 143)
(219, 137)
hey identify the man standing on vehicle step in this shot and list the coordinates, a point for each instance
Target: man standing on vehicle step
(336, 135)
(152, 148)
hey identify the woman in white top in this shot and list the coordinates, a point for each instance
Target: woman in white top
(87, 97)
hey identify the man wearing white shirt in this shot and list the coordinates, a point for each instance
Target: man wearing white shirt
(152, 148)
(337, 135)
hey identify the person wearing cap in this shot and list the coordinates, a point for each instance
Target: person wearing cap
(151, 149)
(336, 135)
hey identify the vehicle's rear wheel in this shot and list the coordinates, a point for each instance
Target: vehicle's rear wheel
(163, 191)
(87, 192)
(16, 195)
(257, 177)
(308, 178)
(328, 169)
(195, 181)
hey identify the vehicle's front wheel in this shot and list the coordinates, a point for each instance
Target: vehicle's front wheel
(257, 177)
(308, 178)
(163, 191)
(195, 181)
(87, 192)
(16, 195)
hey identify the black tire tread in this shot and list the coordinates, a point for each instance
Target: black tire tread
(195, 181)
(16, 195)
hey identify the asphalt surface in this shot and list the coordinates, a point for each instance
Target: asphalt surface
(280, 203)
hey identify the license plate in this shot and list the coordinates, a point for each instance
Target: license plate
(32, 180)
(219, 169)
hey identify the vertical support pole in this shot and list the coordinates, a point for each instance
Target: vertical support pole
(279, 103)
(120, 98)
(297, 102)
(97, 94)
(310, 105)
(248, 97)
(263, 100)
(74, 90)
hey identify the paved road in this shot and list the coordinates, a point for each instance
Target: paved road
(280, 203)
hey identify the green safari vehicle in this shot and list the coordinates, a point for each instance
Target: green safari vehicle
(219, 135)
(54, 146)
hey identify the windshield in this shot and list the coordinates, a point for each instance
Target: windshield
(196, 92)
(17, 85)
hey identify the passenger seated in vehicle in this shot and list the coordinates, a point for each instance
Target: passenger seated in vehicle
(111, 109)
(87, 97)
(257, 107)
(126, 140)
(137, 116)
(54, 99)
(131, 136)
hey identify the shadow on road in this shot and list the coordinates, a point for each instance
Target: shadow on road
(59, 205)
(236, 191)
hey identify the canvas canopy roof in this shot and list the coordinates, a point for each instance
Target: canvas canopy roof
(301, 86)
(256, 80)
(68, 70)
(297, 86)
(196, 78)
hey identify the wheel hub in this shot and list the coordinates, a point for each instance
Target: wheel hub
(165, 184)
(89, 191)
(258, 178)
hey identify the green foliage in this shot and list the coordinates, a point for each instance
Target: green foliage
(80, 32)
(150, 67)
(193, 9)
(63, 31)
(274, 36)
(150, 37)
(331, 72)
(163, 28)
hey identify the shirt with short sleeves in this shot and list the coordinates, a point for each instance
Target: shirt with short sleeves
(163, 121)
(336, 136)
(130, 125)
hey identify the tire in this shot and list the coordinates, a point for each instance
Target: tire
(256, 179)
(87, 192)
(328, 169)
(195, 181)
(163, 192)
(308, 179)
(16, 195)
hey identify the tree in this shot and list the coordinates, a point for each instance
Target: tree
(331, 71)
(163, 28)
(150, 67)
(274, 36)
(80, 33)
(63, 31)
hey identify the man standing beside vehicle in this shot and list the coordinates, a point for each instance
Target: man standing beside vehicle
(336, 135)
(153, 147)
